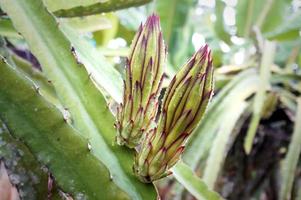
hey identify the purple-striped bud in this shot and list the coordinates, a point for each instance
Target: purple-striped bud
(144, 72)
(184, 105)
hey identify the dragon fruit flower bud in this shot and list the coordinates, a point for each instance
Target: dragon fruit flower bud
(144, 73)
(184, 105)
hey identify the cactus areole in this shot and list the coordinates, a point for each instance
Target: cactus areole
(160, 143)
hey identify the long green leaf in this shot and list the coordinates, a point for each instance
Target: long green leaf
(219, 25)
(89, 23)
(291, 159)
(241, 87)
(76, 91)
(265, 71)
(185, 175)
(288, 30)
(173, 16)
(220, 144)
(55, 144)
(273, 13)
(107, 6)
(259, 13)
(244, 17)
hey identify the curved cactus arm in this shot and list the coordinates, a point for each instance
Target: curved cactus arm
(55, 144)
(102, 72)
(87, 106)
(107, 6)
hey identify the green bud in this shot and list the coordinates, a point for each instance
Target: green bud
(184, 105)
(144, 73)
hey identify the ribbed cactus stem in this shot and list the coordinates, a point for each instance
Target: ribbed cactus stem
(183, 106)
(144, 73)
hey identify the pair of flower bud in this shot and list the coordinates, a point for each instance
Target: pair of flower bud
(160, 136)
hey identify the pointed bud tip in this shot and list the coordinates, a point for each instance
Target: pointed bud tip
(204, 51)
(154, 19)
(153, 22)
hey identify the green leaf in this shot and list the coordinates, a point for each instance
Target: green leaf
(240, 88)
(185, 175)
(129, 22)
(89, 112)
(265, 66)
(88, 23)
(285, 50)
(265, 15)
(245, 16)
(219, 25)
(106, 6)
(42, 128)
(284, 78)
(132, 18)
(173, 16)
(221, 144)
(291, 159)
(182, 47)
(103, 37)
(287, 98)
(273, 13)
(288, 30)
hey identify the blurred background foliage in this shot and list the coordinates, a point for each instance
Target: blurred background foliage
(249, 143)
